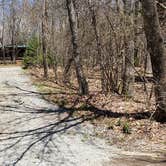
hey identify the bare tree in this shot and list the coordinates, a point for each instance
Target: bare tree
(156, 48)
(13, 29)
(3, 31)
(128, 73)
(53, 46)
(83, 85)
(44, 37)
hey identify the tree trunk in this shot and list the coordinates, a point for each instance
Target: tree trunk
(128, 73)
(157, 52)
(44, 37)
(83, 85)
(128, 77)
(98, 46)
(13, 31)
(66, 73)
(54, 53)
(3, 30)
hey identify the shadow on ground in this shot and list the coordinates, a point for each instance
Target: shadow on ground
(58, 120)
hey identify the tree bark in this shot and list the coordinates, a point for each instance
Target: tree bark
(13, 31)
(66, 73)
(83, 85)
(3, 30)
(156, 48)
(54, 53)
(128, 73)
(128, 77)
(44, 37)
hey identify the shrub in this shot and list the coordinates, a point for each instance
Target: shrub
(33, 54)
(126, 128)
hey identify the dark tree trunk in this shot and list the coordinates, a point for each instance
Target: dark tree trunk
(3, 30)
(157, 52)
(54, 53)
(13, 31)
(83, 85)
(44, 37)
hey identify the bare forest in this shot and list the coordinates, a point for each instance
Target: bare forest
(101, 63)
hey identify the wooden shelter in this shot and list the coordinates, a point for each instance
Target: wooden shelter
(10, 51)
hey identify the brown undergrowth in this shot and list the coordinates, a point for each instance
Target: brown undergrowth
(125, 121)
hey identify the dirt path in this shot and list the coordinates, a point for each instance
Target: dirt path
(34, 132)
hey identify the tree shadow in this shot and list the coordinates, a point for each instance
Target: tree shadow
(111, 114)
(44, 134)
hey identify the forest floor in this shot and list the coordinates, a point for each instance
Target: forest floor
(74, 131)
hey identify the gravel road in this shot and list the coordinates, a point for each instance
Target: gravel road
(34, 132)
